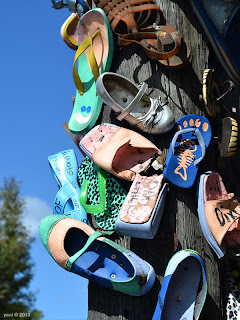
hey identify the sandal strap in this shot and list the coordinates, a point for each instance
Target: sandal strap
(118, 10)
(126, 14)
(134, 102)
(64, 167)
(76, 6)
(66, 192)
(230, 86)
(199, 136)
(95, 209)
(90, 240)
(92, 60)
(58, 4)
(153, 32)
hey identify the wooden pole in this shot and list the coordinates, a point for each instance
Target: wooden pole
(182, 88)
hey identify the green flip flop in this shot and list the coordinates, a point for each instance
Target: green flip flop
(101, 195)
(94, 56)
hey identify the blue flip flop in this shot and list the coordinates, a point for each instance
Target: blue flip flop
(192, 135)
(67, 202)
(64, 167)
(184, 288)
(221, 23)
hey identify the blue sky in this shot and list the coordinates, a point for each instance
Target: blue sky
(36, 99)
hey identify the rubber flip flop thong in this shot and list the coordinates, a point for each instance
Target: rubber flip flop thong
(192, 135)
(94, 56)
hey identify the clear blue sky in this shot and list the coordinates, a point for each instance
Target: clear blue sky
(36, 99)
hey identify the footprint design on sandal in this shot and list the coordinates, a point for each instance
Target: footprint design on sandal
(187, 147)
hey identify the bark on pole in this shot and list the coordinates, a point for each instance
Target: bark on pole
(182, 88)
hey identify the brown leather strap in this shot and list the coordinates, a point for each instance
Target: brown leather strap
(118, 10)
(153, 42)
(126, 15)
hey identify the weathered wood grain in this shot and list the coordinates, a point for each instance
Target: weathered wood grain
(182, 88)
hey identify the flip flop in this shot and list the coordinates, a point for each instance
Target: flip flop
(78, 249)
(184, 288)
(77, 6)
(142, 211)
(228, 142)
(218, 214)
(226, 126)
(120, 151)
(220, 21)
(67, 202)
(64, 168)
(192, 135)
(213, 94)
(101, 195)
(94, 56)
(69, 31)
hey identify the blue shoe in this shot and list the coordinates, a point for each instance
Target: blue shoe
(64, 167)
(184, 288)
(79, 249)
(221, 22)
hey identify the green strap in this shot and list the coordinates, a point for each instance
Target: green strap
(73, 258)
(95, 209)
(92, 61)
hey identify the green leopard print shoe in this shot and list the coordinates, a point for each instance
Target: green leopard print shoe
(100, 194)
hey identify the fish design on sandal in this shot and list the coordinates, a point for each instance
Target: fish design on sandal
(186, 157)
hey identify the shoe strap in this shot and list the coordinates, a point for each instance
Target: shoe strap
(92, 60)
(229, 86)
(65, 193)
(199, 136)
(90, 240)
(64, 168)
(77, 6)
(124, 11)
(95, 209)
(58, 4)
(134, 102)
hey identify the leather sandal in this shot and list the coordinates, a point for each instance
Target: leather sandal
(163, 43)
(126, 16)
(159, 42)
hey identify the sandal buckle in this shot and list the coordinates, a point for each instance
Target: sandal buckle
(156, 27)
